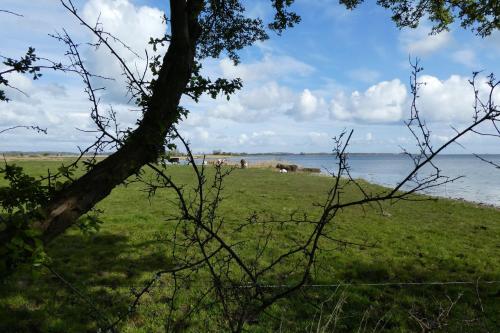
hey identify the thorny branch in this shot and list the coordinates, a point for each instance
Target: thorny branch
(239, 280)
(30, 127)
(10, 12)
(203, 243)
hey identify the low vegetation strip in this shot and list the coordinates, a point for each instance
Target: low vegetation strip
(381, 277)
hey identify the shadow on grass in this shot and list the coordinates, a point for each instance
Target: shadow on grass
(105, 267)
(370, 299)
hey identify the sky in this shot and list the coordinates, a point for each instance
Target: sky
(337, 70)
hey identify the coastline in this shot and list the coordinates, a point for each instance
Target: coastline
(261, 164)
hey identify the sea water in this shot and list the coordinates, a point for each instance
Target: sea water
(478, 182)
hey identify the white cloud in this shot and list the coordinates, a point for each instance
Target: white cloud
(40, 18)
(330, 9)
(62, 110)
(195, 119)
(117, 17)
(418, 42)
(201, 139)
(466, 57)
(254, 105)
(48, 106)
(307, 106)
(232, 110)
(364, 75)
(243, 138)
(266, 96)
(440, 138)
(383, 102)
(38, 103)
(267, 101)
(493, 41)
(318, 138)
(270, 67)
(450, 100)
(22, 87)
(256, 139)
(202, 133)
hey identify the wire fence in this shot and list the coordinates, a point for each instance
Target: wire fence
(376, 284)
(332, 285)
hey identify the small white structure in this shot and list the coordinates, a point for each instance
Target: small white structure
(283, 171)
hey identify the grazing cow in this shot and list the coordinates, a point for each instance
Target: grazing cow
(174, 160)
(244, 164)
(221, 161)
(287, 167)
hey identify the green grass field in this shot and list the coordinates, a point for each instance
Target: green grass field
(426, 241)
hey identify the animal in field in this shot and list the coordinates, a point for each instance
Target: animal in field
(220, 161)
(287, 167)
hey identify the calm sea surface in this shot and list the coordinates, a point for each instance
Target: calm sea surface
(480, 182)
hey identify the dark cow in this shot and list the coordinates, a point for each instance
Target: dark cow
(287, 167)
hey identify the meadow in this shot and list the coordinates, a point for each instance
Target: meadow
(415, 242)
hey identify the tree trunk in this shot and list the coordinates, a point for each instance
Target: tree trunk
(146, 142)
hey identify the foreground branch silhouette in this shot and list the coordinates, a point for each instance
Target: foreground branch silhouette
(243, 277)
(238, 280)
(201, 29)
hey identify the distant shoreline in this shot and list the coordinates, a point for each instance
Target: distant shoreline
(267, 164)
(50, 154)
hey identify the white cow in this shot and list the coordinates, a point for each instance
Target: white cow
(221, 161)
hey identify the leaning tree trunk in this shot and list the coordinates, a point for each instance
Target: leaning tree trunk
(145, 143)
